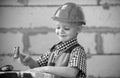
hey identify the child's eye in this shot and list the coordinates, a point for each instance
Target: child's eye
(67, 28)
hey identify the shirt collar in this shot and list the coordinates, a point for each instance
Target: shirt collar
(65, 45)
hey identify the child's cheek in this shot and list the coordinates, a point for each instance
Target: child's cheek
(57, 32)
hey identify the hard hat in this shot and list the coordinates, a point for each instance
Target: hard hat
(69, 12)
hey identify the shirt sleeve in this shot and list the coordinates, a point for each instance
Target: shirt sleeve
(43, 59)
(78, 60)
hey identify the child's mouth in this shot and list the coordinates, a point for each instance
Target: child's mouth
(63, 36)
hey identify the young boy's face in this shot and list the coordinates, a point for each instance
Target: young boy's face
(66, 31)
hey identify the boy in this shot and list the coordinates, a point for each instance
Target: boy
(67, 59)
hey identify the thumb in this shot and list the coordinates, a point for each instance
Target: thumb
(22, 55)
(22, 58)
(27, 58)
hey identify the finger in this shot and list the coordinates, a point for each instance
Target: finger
(27, 59)
(23, 61)
(22, 55)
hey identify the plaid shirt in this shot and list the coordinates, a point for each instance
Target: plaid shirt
(77, 56)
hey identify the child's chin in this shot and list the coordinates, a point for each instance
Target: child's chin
(63, 40)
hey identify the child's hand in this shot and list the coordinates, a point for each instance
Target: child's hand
(18, 55)
(28, 61)
(25, 59)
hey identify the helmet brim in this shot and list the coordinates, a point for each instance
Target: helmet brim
(68, 20)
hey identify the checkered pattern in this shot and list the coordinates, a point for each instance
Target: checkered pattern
(77, 56)
(78, 60)
(65, 45)
(43, 59)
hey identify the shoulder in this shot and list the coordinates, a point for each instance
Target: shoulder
(79, 50)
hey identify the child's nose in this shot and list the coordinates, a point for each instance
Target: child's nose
(62, 31)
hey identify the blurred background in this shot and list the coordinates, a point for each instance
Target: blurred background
(28, 24)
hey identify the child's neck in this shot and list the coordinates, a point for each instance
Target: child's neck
(70, 39)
